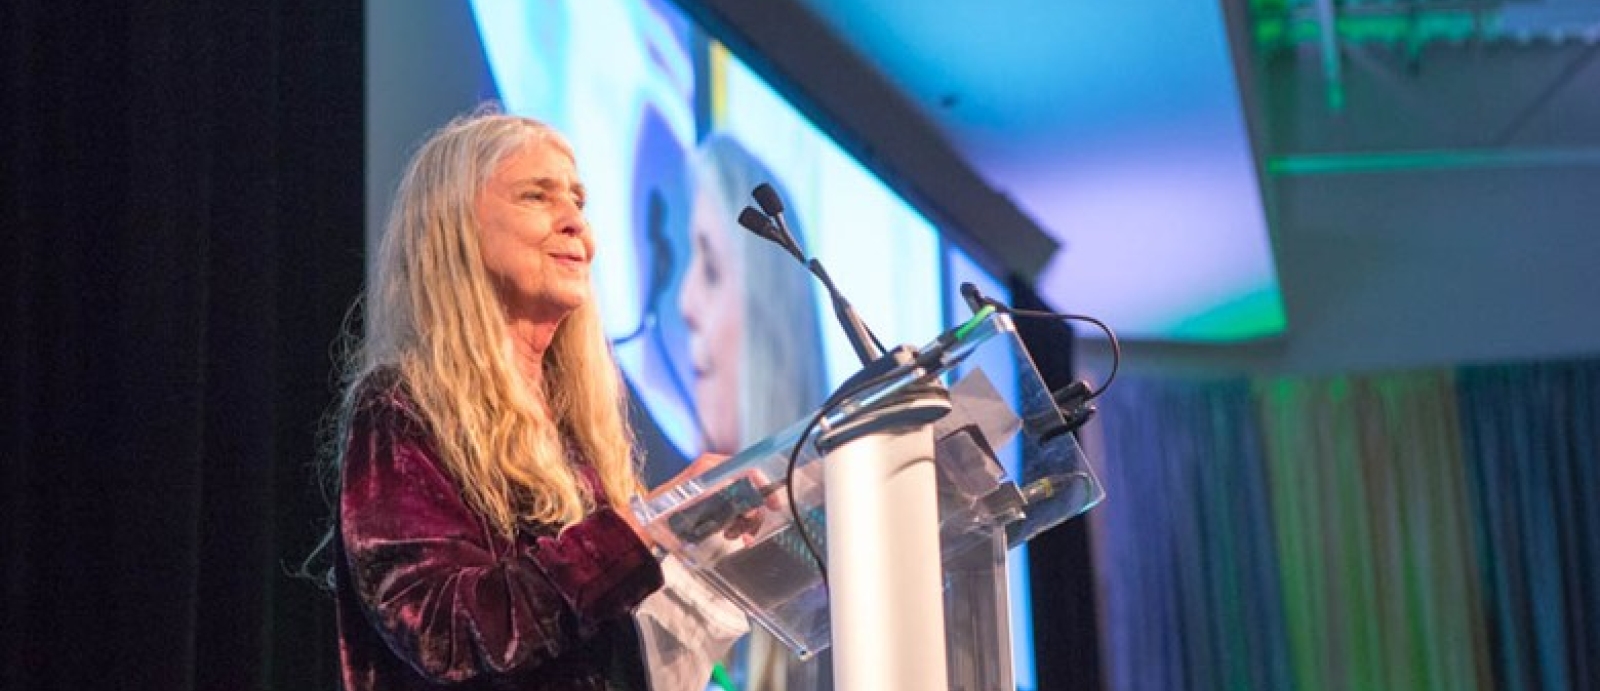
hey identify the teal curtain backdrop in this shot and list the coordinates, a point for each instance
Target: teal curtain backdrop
(1419, 530)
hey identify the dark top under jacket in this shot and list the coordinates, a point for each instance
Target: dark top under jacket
(431, 597)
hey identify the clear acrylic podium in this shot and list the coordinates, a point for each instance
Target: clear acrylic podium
(902, 486)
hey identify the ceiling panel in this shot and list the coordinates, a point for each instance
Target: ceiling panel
(1117, 127)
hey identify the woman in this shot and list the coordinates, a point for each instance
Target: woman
(484, 539)
(755, 348)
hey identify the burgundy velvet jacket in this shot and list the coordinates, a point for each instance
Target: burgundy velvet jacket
(431, 597)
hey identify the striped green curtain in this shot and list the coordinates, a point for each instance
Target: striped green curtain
(1422, 530)
(1374, 532)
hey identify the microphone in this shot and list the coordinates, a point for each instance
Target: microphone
(773, 207)
(768, 198)
(758, 223)
(861, 338)
(974, 299)
(770, 225)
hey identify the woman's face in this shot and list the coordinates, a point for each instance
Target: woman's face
(535, 241)
(712, 303)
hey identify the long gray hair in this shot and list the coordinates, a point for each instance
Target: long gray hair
(433, 315)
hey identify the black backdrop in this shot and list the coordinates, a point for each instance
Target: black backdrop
(183, 214)
(183, 222)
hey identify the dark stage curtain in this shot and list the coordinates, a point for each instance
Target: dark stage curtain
(1532, 448)
(182, 186)
(1191, 595)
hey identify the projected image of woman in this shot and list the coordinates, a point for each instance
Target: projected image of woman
(755, 345)
(754, 341)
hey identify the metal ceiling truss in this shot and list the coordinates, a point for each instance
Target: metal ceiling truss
(1413, 24)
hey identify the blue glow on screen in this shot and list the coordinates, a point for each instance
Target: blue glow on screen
(883, 255)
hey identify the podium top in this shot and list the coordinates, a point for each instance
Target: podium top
(1005, 462)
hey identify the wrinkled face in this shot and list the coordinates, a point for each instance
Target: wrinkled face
(534, 240)
(712, 303)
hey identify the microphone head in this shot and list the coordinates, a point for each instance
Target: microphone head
(768, 199)
(970, 293)
(758, 223)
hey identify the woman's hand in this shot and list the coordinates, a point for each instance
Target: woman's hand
(700, 465)
(705, 462)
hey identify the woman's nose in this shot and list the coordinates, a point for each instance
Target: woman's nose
(572, 221)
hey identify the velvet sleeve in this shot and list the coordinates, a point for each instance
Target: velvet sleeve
(453, 598)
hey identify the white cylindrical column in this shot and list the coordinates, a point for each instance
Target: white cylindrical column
(884, 577)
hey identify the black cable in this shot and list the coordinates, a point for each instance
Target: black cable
(834, 401)
(650, 325)
(632, 335)
(1116, 347)
(659, 339)
(874, 338)
(788, 489)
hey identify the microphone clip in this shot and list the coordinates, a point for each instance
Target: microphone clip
(1074, 403)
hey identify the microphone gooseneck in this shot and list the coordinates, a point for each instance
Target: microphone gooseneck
(769, 224)
(861, 340)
